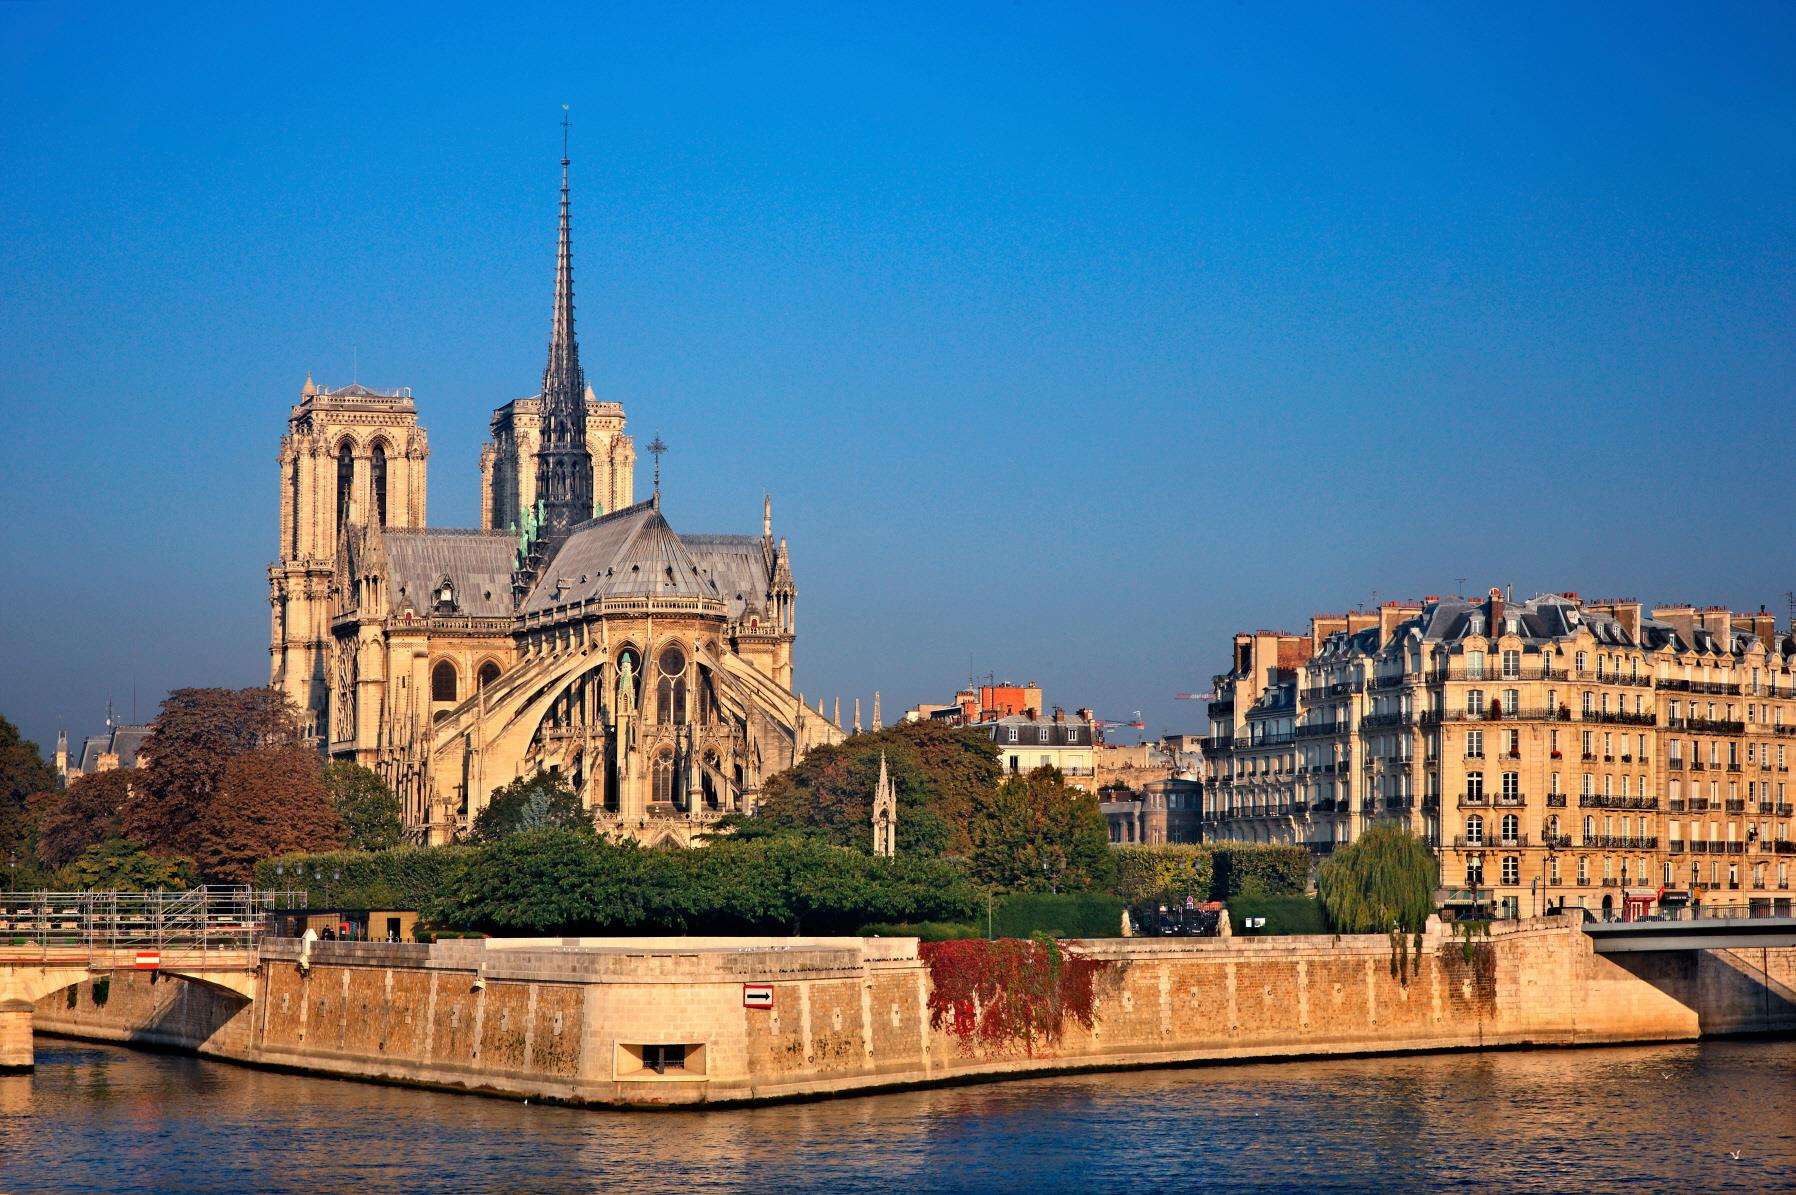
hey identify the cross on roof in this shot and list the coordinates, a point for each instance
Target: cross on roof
(656, 448)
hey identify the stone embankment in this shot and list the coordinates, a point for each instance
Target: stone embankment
(672, 1021)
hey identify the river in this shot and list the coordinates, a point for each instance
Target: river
(1672, 1117)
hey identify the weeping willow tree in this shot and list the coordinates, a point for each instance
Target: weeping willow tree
(1381, 883)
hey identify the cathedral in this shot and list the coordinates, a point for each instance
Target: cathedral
(573, 632)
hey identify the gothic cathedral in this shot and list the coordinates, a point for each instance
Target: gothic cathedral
(573, 632)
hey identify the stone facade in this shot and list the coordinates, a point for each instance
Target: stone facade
(1555, 751)
(574, 632)
(587, 1020)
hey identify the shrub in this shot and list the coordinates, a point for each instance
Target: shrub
(1283, 914)
(1063, 915)
(1259, 869)
(928, 931)
(402, 878)
(1163, 875)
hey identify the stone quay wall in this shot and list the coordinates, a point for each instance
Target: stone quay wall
(579, 1019)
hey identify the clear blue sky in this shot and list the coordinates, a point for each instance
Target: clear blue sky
(1069, 340)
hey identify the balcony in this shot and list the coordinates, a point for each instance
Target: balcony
(1492, 842)
(1711, 688)
(1596, 801)
(1555, 800)
(1474, 801)
(1706, 725)
(1735, 806)
(1616, 717)
(1218, 743)
(1385, 721)
(1675, 846)
(1556, 842)
(1621, 842)
(1495, 713)
(1332, 692)
(1675, 763)
(1511, 800)
(1324, 730)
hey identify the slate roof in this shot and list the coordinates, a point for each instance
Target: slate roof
(736, 564)
(477, 563)
(629, 553)
(125, 740)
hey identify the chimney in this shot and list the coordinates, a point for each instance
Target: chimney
(1391, 614)
(1718, 621)
(1059, 715)
(1324, 625)
(1681, 618)
(1359, 620)
(1495, 624)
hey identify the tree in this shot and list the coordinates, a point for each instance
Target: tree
(367, 806)
(120, 866)
(270, 801)
(192, 741)
(545, 878)
(85, 815)
(23, 773)
(935, 769)
(1036, 833)
(536, 802)
(1383, 882)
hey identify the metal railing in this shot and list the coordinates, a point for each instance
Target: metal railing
(100, 923)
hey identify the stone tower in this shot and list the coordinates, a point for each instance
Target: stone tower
(352, 457)
(885, 813)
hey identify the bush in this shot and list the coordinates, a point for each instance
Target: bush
(1062, 915)
(1283, 914)
(402, 878)
(928, 931)
(1259, 869)
(1163, 875)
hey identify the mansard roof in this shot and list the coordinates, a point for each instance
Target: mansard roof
(477, 563)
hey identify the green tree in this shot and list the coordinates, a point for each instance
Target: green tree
(192, 741)
(367, 806)
(87, 814)
(545, 878)
(23, 774)
(542, 801)
(1383, 882)
(935, 769)
(270, 801)
(120, 866)
(1163, 874)
(1036, 833)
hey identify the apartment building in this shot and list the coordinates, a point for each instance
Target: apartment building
(1554, 751)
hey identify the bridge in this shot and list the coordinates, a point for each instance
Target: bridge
(1724, 927)
(53, 940)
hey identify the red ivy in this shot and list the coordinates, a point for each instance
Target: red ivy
(1008, 992)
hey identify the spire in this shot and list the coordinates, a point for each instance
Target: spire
(563, 465)
(878, 725)
(310, 388)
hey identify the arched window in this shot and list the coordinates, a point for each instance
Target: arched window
(663, 777)
(670, 692)
(443, 682)
(489, 672)
(378, 474)
(345, 483)
(1474, 830)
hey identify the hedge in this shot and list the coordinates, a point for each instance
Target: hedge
(406, 877)
(1283, 914)
(1060, 915)
(928, 931)
(1259, 869)
(1163, 875)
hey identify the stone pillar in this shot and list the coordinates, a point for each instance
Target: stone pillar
(15, 1036)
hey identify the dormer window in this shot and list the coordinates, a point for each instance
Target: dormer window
(445, 594)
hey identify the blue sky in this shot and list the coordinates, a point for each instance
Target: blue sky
(1069, 339)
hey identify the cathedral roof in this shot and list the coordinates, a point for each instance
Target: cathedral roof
(736, 564)
(477, 563)
(629, 553)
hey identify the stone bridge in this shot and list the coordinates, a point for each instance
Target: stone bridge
(53, 940)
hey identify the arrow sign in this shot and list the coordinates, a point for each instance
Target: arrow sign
(757, 995)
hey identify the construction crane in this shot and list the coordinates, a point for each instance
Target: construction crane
(1210, 696)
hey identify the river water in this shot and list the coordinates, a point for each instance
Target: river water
(1667, 1117)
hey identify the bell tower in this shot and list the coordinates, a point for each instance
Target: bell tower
(352, 457)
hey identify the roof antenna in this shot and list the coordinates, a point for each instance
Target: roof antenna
(355, 364)
(566, 124)
(1461, 591)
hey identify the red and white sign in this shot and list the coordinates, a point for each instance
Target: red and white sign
(757, 995)
(149, 960)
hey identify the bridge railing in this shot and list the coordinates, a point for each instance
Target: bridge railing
(1707, 912)
(96, 923)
